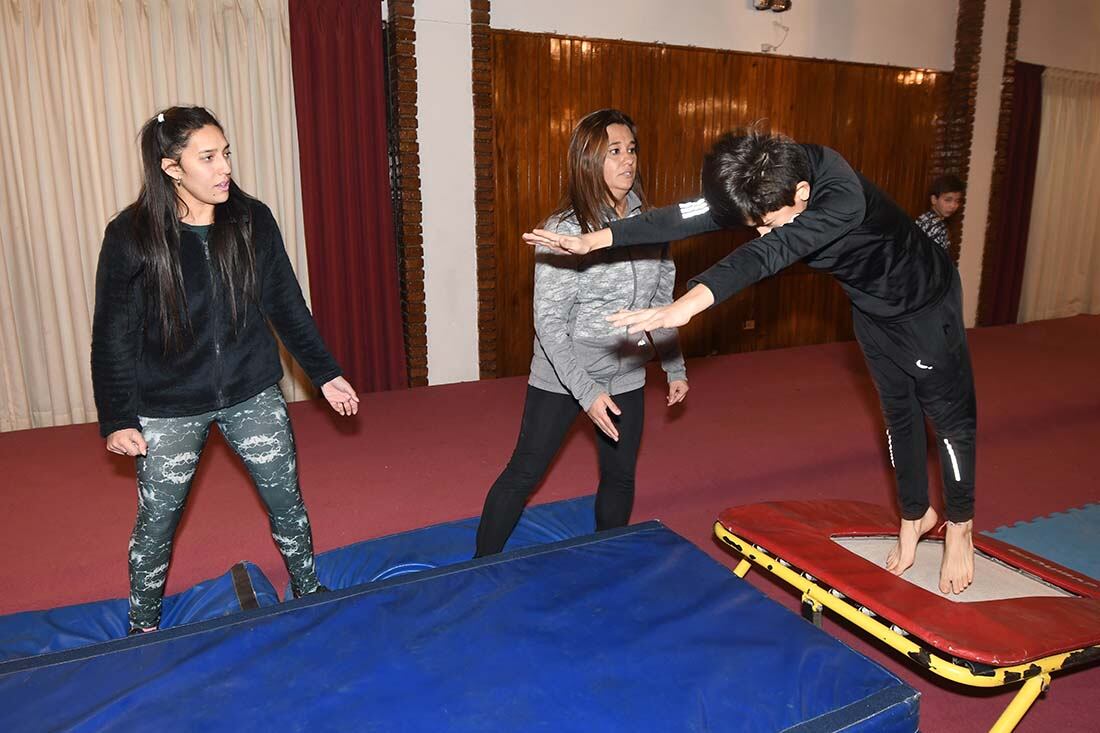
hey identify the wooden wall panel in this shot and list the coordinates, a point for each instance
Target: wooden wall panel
(883, 119)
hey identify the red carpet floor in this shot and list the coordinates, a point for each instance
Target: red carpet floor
(789, 424)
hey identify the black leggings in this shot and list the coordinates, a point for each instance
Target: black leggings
(921, 367)
(547, 417)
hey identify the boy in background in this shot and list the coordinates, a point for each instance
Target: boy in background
(946, 196)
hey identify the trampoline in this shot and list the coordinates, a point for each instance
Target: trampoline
(632, 629)
(1024, 618)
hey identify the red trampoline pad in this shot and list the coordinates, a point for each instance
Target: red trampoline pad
(998, 633)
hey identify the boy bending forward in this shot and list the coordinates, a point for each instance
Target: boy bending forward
(808, 204)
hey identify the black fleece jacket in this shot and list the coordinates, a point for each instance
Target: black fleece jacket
(888, 267)
(219, 365)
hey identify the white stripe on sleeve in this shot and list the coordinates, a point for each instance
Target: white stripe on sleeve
(691, 209)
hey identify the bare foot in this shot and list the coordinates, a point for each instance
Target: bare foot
(905, 551)
(957, 570)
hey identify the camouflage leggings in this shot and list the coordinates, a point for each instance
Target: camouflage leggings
(259, 431)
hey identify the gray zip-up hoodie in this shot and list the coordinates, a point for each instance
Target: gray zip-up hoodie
(577, 351)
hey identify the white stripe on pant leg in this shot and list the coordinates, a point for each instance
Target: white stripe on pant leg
(954, 461)
(890, 447)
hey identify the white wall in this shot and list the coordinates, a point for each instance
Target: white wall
(892, 32)
(445, 132)
(1061, 33)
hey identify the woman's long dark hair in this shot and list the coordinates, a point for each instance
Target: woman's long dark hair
(587, 196)
(156, 221)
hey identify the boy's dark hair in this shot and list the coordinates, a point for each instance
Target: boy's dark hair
(946, 184)
(749, 173)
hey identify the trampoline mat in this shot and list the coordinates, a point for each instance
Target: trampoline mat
(993, 579)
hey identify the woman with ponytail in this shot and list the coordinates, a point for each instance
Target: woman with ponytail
(190, 276)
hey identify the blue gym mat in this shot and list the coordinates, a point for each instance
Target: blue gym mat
(634, 629)
(69, 627)
(1070, 538)
(431, 547)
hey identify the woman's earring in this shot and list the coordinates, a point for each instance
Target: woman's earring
(179, 181)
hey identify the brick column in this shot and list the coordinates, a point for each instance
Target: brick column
(957, 126)
(991, 251)
(405, 160)
(484, 188)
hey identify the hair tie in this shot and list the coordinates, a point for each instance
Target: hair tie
(160, 118)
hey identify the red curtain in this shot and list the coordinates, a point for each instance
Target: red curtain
(340, 96)
(1003, 272)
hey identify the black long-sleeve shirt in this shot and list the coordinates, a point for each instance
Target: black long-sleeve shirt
(219, 366)
(850, 229)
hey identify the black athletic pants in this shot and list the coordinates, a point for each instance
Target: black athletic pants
(547, 417)
(921, 367)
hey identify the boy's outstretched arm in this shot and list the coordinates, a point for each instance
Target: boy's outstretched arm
(574, 244)
(675, 314)
(666, 224)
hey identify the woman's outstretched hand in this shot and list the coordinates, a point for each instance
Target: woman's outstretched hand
(341, 397)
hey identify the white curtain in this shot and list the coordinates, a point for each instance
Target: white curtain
(1062, 270)
(77, 80)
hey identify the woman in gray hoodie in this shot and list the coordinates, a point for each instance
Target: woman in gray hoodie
(581, 362)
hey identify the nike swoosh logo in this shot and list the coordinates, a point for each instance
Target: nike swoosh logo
(923, 366)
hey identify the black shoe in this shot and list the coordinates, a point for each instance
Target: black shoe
(134, 630)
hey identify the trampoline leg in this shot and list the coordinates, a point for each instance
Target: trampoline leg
(1020, 704)
(811, 610)
(742, 568)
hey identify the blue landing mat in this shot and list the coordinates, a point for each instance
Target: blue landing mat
(629, 630)
(449, 543)
(69, 627)
(1070, 538)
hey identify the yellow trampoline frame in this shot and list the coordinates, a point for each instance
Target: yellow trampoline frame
(1035, 675)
